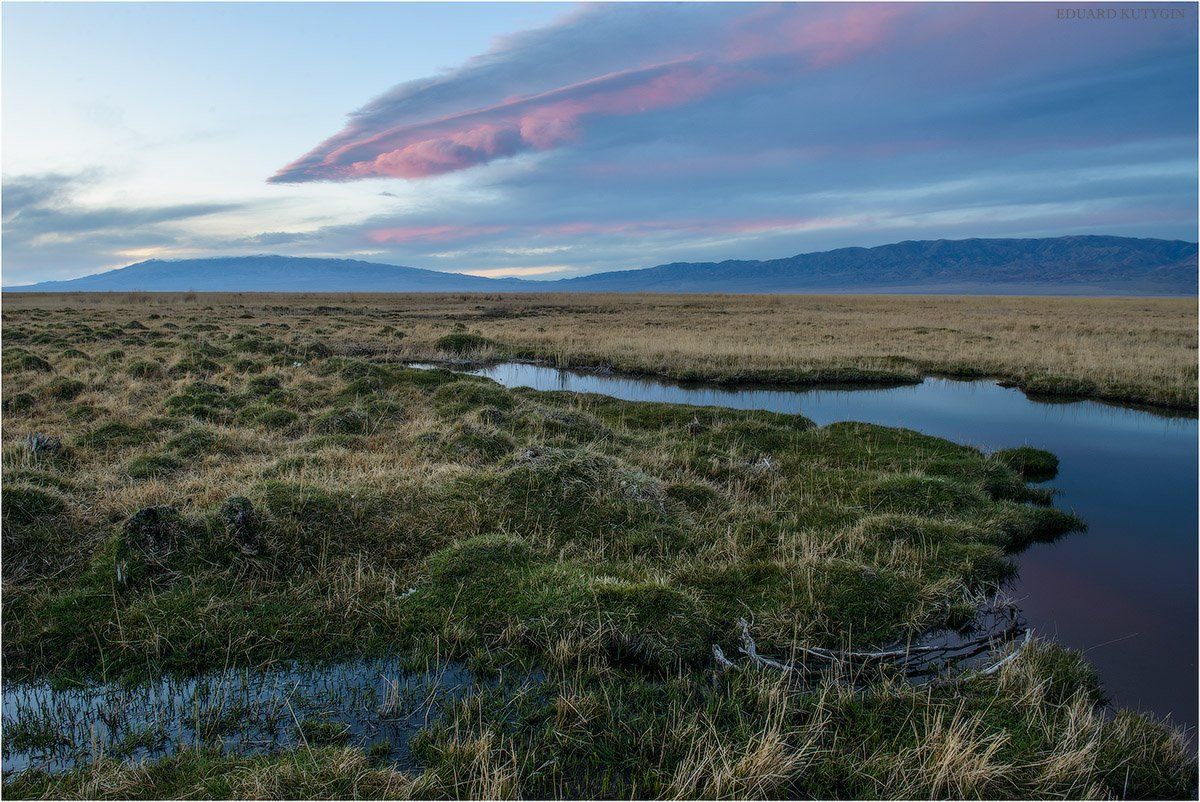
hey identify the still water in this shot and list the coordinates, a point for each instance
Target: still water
(1124, 592)
(379, 704)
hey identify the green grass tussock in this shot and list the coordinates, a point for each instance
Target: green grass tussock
(463, 343)
(1033, 464)
(153, 466)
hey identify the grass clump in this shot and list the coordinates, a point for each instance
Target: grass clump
(145, 369)
(25, 505)
(39, 536)
(1018, 526)
(463, 343)
(341, 421)
(155, 547)
(62, 388)
(202, 400)
(464, 395)
(567, 494)
(263, 385)
(1033, 464)
(468, 442)
(20, 401)
(916, 494)
(153, 466)
(116, 435)
(567, 612)
(196, 442)
(248, 366)
(268, 416)
(21, 360)
(194, 363)
(311, 525)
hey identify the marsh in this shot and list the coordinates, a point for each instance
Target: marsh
(608, 547)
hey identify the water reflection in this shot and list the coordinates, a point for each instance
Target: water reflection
(373, 703)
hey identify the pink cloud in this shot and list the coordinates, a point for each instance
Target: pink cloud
(456, 150)
(824, 37)
(515, 125)
(642, 227)
(434, 233)
(762, 45)
(631, 228)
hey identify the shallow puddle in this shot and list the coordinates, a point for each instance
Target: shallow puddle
(374, 703)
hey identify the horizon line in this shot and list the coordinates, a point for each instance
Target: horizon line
(568, 278)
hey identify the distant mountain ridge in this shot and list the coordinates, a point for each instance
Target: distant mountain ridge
(1078, 265)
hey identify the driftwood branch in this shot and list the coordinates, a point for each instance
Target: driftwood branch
(914, 661)
(723, 662)
(1011, 656)
(751, 650)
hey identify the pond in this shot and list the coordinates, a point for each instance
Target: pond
(1124, 592)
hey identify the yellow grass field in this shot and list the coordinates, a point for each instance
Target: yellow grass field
(1139, 350)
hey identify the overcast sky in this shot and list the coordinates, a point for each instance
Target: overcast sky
(544, 140)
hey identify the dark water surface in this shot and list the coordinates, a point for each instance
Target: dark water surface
(1124, 592)
(376, 703)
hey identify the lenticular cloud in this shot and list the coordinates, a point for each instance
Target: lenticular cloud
(541, 90)
(836, 75)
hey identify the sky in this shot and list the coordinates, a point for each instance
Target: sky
(549, 140)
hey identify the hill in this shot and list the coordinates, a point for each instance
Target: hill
(1081, 265)
(1077, 265)
(272, 274)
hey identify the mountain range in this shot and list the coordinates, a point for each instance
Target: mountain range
(1075, 265)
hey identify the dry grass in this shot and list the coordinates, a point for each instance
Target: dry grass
(201, 774)
(718, 766)
(1127, 349)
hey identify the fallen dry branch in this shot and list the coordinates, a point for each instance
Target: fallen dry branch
(749, 649)
(930, 663)
(1010, 657)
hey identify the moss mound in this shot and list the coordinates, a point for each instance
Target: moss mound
(145, 369)
(62, 388)
(1033, 464)
(463, 343)
(116, 435)
(25, 505)
(153, 466)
